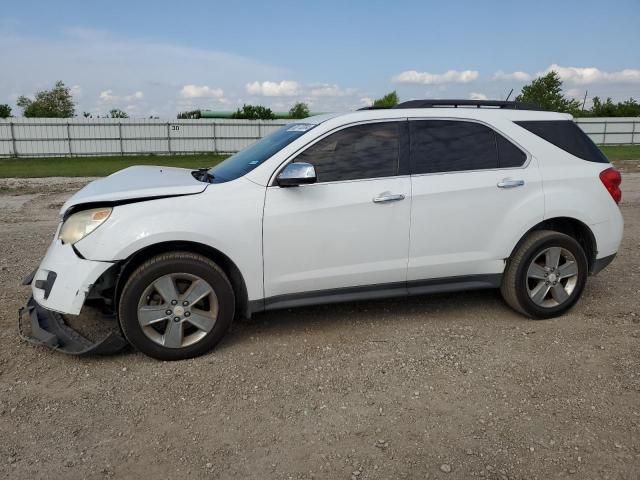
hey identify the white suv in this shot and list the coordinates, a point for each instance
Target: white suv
(429, 196)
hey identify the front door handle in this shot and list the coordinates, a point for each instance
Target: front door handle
(510, 183)
(388, 197)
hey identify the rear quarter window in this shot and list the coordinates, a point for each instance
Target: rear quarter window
(565, 134)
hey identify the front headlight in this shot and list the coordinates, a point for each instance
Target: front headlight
(81, 224)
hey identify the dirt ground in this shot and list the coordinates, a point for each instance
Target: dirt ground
(443, 386)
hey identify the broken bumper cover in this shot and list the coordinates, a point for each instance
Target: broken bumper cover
(48, 328)
(63, 279)
(60, 285)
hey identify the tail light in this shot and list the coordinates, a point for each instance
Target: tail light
(611, 180)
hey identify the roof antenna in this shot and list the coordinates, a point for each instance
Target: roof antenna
(506, 99)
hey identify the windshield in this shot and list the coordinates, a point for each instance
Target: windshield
(246, 160)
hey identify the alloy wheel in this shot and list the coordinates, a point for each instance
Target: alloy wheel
(552, 277)
(178, 310)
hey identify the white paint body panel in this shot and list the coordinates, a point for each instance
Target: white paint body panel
(332, 235)
(74, 278)
(463, 224)
(326, 236)
(226, 216)
(138, 182)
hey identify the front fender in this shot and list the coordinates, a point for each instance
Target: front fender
(227, 217)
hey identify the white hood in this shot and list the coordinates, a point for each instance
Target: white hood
(138, 182)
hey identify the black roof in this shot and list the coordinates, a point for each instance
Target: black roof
(463, 103)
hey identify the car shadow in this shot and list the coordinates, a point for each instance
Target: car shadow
(471, 306)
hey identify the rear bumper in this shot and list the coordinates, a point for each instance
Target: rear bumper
(44, 327)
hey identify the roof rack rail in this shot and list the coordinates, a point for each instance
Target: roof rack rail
(468, 103)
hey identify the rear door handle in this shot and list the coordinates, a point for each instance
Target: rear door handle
(388, 197)
(510, 183)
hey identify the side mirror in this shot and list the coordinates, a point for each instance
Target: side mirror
(297, 173)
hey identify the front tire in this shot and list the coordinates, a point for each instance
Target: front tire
(546, 275)
(176, 305)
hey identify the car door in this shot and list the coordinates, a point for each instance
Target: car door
(474, 193)
(348, 233)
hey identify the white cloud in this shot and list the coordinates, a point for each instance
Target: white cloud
(366, 101)
(201, 91)
(426, 78)
(107, 96)
(516, 76)
(285, 88)
(330, 90)
(76, 91)
(591, 75)
(477, 96)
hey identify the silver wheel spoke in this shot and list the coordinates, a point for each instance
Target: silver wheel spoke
(569, 269)
(201, 320)
(539, 293)
(172, 337)
(196, 292)
(166, 288)
(553, 257)
(150, 314)
(536, 271)
(558, 293)
(177, 322)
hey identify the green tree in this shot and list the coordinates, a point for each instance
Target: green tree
(603, 109)
(389, 100)
(254, 112)
(54, 103)
(546, 92)
(299, 110)
(628, 108)
(5, 111)
(117, 113)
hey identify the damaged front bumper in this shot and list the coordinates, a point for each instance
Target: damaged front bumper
(48, 328)
(60, 286)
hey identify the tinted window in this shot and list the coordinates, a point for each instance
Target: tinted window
(362, 151)
(451, 146)
(509, 155)
(565, 134)
(246, 160)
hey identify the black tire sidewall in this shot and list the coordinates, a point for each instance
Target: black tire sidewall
(552, 240)
(139, 282)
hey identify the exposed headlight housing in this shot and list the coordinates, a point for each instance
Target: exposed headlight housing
(81, 224)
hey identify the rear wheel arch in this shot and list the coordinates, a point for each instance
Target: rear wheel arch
(571, 227)
(223, 261)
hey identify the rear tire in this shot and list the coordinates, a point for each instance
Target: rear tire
(546, 275)
(176, 305)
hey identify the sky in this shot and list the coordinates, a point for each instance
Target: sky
(156, 58)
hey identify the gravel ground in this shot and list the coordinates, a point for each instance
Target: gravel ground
(443, 386)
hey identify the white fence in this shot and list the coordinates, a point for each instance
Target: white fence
(612, 130)
(34, 137)
(49, 137)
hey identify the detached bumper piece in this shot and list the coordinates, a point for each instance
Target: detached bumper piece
(49, 329)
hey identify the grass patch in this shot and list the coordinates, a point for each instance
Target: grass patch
(621, 152)
(96, 166)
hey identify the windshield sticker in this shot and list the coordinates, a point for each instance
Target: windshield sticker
(300, 127)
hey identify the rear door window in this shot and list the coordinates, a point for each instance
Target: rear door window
(565, 134)
(453, 146)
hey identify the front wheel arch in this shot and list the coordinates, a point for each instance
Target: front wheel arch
(128, 266)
